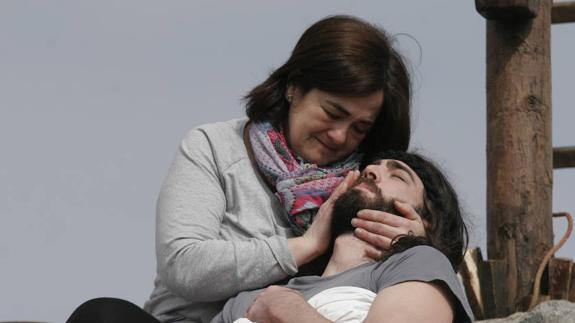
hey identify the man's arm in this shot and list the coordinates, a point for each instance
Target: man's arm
(280, 304)
(407, 302)
(412, 301)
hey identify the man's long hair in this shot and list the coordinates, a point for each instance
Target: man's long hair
(447, 230)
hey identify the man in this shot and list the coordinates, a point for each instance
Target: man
(412, 283)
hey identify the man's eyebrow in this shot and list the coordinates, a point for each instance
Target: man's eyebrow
(344, 111)
(398, 165)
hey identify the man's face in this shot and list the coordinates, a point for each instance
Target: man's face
(379, 185)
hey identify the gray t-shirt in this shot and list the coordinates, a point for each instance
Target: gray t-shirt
(219, 229)
(421, 263)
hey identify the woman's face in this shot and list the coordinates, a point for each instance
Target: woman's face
(324, 128)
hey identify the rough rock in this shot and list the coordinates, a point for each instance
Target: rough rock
(559, 311)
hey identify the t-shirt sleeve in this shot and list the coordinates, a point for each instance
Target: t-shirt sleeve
(426, 264)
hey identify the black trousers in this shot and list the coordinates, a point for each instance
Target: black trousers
(110, 310)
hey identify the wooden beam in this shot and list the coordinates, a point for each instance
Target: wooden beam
(507, 9)
(563, 157)
(563, 12)
(519, 151)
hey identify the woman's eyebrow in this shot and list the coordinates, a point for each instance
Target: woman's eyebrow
(338, 107)
(394, 164)
(344, 111)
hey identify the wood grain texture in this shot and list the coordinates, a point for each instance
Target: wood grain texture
(519, 151)
(563, 157)
(560, 270)
(563, 12)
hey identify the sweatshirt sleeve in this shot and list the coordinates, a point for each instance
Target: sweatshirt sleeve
(193, 260)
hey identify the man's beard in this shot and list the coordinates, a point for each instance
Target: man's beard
(348, 204)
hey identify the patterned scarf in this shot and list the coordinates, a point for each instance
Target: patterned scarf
(301, 187)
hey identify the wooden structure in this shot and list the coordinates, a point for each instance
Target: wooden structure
(520, 157)
(485, 280)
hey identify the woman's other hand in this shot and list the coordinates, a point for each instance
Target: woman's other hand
(380, 228)
(315, 241)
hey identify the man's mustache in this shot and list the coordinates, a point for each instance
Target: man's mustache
(370, 183)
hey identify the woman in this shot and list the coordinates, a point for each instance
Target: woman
(236, 211)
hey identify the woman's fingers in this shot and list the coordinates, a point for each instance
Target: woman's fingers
(378, 228)
(417, 225)
(406, 210)
(318, 235)
(376, 240)
(382, 217)
(344, 185)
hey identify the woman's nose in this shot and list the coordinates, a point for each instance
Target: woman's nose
(338, 135)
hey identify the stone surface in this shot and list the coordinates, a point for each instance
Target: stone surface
(559, 311)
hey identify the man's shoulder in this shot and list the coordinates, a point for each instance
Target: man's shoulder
(422, 253)
(419, 261)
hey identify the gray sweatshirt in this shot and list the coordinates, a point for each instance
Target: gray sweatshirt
(219, 228)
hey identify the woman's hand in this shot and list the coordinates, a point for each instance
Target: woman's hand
(316, 239)
(380, 228)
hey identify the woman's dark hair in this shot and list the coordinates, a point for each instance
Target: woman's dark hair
(344, 56)
(447, 231)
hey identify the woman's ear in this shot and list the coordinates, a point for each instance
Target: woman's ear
(290, 92)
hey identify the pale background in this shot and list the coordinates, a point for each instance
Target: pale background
(96, 95)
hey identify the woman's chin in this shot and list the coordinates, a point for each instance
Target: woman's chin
(321, 161)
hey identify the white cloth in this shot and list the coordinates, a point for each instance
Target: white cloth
(344, 304)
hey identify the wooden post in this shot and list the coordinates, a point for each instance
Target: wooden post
(519, 151)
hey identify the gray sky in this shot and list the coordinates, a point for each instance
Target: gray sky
(96, 95)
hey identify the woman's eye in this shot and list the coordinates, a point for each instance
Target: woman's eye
(361, 131)
(330, 114)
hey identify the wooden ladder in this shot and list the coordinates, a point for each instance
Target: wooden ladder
(520, 161)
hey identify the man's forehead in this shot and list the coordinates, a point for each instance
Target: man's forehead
(394, 163)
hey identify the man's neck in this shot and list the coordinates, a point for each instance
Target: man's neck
(348, 252)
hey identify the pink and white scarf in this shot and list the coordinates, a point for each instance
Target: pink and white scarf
(301, 187)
